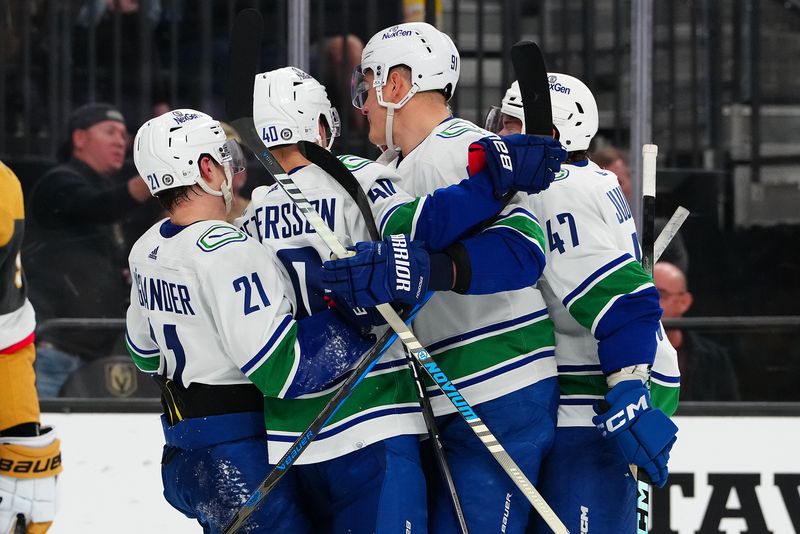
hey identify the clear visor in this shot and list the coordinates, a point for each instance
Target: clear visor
(358, 88)
(494, 120)
(232, 154)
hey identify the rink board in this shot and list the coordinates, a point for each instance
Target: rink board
(727, 472)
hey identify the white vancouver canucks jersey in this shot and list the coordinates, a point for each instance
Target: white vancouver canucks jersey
(384, 404)
(208, 306)
(592, 259)
(488, 345)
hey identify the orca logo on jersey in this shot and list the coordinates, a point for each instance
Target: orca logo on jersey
(618, 420)
(402, 267)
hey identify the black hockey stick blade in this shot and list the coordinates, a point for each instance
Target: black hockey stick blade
(243, 63)
(531, 72)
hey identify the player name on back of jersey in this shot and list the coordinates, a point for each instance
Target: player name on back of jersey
(163, 295)
(285, 220)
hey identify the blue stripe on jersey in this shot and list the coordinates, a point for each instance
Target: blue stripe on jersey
(666, 378)
(268, 346)
(143, 352)
(594, 276)
(496, 372)
(356, 420)
(577, 368)
(433, 347)
(517, 211)
(386, 217)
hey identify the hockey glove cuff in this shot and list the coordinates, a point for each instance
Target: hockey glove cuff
(644, 435)
(517, 162)
(28, 485)
(395, 269)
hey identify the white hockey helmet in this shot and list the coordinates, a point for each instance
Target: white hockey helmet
(511, 105)
(167, 149)
(430, 54)
(287, 106)
(574, 110)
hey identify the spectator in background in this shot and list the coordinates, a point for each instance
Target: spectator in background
(75, 255)
(707, 372)
(612, 159)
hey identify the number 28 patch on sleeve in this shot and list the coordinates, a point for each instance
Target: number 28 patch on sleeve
(218, 236)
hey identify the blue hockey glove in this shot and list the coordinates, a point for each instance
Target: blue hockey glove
(517, 162)
(644, 435)
(395, 269)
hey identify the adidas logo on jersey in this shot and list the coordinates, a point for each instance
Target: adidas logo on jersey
(153, 255)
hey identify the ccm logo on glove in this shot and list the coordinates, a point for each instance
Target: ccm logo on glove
(618, 420)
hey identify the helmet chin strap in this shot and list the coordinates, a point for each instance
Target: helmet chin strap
(390, 108)
(225, 187)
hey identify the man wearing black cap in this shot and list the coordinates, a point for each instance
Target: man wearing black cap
(75, 251)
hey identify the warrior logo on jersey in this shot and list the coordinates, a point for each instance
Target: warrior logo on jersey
(218, 236)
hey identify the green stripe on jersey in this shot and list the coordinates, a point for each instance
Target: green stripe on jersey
(402, 219)
(271, 376)
(524, 225)
(381, 390)
(664, 398)
(582, 384)
(148, 364)
(622, 281)
(483, 354)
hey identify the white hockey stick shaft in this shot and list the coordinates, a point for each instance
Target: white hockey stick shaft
(669, 232)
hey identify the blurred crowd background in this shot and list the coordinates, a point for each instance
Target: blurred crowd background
(726, 118)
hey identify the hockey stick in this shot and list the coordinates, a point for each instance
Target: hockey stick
(334, 167)
(245, 47)
(649, 153)
(531, 71)
(668, 232)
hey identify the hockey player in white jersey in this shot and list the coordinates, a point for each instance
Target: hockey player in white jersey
(496, 344)
(209, 317)
(374, 437)
(606, 311)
